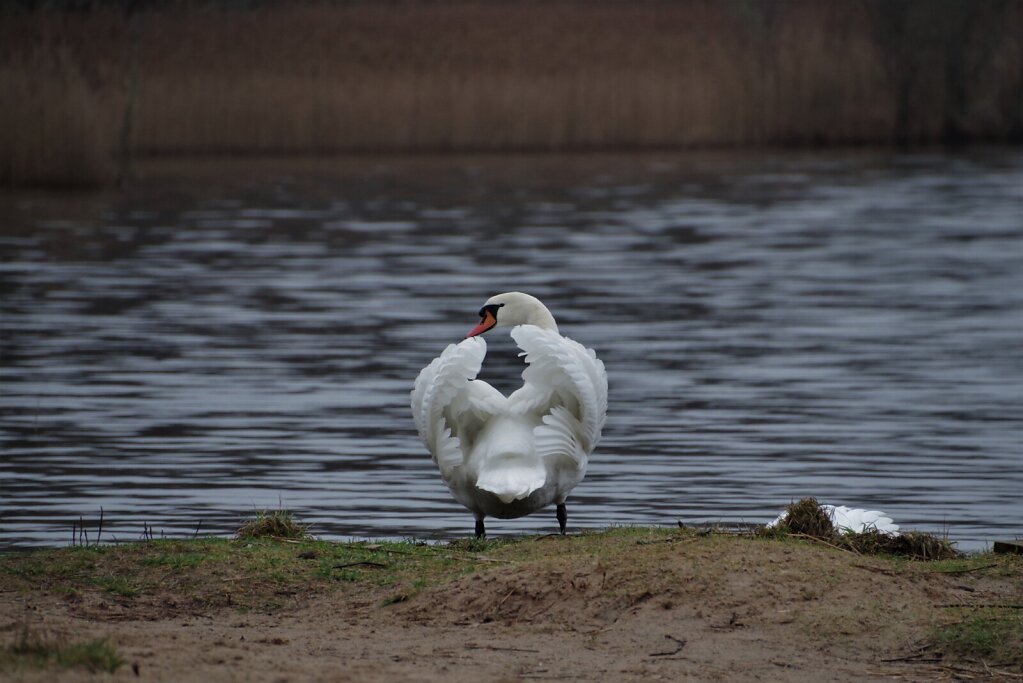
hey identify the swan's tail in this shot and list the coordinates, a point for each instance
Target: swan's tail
(512, 477)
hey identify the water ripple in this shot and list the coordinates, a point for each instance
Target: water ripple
(845, 327)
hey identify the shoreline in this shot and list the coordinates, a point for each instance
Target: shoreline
(625, 603)
(150, 172)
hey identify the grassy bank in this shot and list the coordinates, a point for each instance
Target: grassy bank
(84, 90)
(788, 595)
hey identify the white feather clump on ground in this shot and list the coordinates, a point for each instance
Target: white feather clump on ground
(853, 520)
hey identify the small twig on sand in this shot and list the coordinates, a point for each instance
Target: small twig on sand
(669, 540)
(473, 646)
(544, 609)
(1000, 672)
(963, 571)
(987, 671)
(963, 605)
(879, 570)
(505, 598)
(475, 558)
(916, 657)
(681, 643)
(733, 622)
(375, 565)
(822, 542)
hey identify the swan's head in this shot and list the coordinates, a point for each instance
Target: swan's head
(511, 309)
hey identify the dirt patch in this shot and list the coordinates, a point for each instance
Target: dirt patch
(625, 605)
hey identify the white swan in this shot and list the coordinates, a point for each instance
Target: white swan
(854, 520)
(507, 457)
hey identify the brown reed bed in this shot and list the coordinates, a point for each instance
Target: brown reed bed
(52, 124)
(85, 89)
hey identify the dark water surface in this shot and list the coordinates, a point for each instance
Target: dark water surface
(216, 340)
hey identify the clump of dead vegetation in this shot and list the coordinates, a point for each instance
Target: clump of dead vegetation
(807, 519)
(917, 545)
(274, 524)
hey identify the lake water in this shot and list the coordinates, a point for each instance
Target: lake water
(225, 338)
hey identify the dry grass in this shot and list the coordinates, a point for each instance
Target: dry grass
(917, 545)
(808, 518)
(456, 76)
(274, 524)
(993, 637)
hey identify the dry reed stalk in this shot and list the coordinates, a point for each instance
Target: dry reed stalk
(52, 129)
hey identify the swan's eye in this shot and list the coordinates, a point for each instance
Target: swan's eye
(491, 309)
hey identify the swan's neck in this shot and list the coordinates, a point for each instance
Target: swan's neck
(542, 318)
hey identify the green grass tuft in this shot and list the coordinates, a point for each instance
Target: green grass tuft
(35, 651)
(474, 545)
(116, 585)
(174, 561)
(994, 637)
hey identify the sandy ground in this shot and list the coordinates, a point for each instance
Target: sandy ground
(696, 609)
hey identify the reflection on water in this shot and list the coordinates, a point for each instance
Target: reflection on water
(847, 327)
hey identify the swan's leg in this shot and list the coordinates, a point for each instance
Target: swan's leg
(562, 517)
(480, 530)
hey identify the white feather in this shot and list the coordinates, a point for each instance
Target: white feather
(856, 521)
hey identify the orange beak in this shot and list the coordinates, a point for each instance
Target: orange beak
(486, 323)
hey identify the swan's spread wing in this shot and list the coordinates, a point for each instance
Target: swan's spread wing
(566, 384)
(449, 407)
